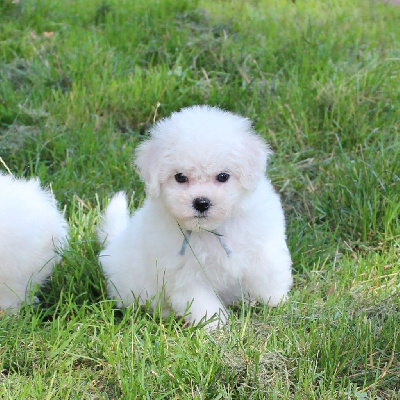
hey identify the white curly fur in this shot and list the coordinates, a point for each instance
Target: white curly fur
(31, 229)
(143, 259)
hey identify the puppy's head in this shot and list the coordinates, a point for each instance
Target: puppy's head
(202, 162)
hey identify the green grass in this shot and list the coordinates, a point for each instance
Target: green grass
(79, 86)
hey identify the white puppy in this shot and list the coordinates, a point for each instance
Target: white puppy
(31, 228)
(212, 227)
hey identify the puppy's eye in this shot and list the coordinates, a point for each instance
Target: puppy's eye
(181, 178)
(222, 177)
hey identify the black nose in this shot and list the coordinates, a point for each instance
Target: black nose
(201, 204)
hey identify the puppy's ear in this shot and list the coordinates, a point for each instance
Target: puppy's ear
(148, 161)
(252, 162)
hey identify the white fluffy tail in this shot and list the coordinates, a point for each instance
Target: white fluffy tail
(115, 219)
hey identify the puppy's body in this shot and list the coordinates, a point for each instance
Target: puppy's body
(234, 248)
(31, 228)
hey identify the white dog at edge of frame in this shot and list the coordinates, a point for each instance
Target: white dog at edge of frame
(32, 232)
(211, 229)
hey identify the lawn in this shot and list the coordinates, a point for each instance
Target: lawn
(80, 84)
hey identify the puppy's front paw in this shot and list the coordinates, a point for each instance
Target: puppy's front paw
(203, 306)
(274, 301)
(212, 323)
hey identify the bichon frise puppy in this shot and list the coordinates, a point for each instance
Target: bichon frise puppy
(211, 230)
(31, 229)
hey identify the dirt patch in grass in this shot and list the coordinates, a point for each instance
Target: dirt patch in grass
(15, 136)
(393, 2)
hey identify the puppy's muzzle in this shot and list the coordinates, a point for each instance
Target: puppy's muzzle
(201, 204)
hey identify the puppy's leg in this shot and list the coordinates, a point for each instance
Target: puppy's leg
(203, 302)
(269, 276)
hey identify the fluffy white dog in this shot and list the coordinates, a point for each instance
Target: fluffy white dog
(211, 229)
(31, 229)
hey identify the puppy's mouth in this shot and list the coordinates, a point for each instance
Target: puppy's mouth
(201, 216)
(201, 221)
